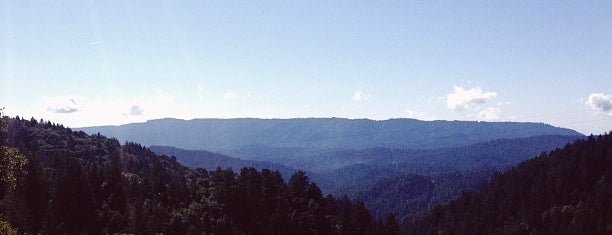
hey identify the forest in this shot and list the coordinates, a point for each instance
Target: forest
(58, 181)
(565, 191)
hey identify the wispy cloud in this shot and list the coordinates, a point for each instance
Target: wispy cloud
(601, 103)
(60, 104)
(136, 110)
(228, 95)
(490, 113)
(462, 99)
(64, 110)
(418, 115)
(359, 96)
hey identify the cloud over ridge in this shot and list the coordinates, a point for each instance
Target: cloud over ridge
(360, 96)
(136, 110)
(462, 99)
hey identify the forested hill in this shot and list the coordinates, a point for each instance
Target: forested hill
(209, 160)
(57, 181)
(496, 153)
(567, 191)
(229, 136)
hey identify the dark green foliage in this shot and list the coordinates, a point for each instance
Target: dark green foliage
(413, 193)
(567, 191)
(69, 182)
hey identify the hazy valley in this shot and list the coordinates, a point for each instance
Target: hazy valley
(355, 157)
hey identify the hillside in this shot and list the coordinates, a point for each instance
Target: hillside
(380, 177)
(412, 193)
(210, 160)
(494, 153)
(57, 181)
(366, 167)
(566, 191)
(253, 138)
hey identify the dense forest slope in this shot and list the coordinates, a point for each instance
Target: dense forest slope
(412, 193)
(253, 138)
(57, 181)
(566, 191)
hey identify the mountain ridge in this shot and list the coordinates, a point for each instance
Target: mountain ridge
(229, 136)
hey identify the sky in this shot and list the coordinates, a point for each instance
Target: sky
(85, 63)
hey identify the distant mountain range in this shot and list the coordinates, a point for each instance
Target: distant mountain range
(257, 138)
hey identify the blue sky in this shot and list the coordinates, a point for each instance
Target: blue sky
(85, 63)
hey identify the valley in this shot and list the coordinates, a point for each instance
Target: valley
(446, 155)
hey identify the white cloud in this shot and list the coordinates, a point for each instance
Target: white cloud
(491, 113)
(60, 104)
(108, 111)
(359, 96)
(601, 103)
(462, 99)
(229, 95)
(136, 111)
